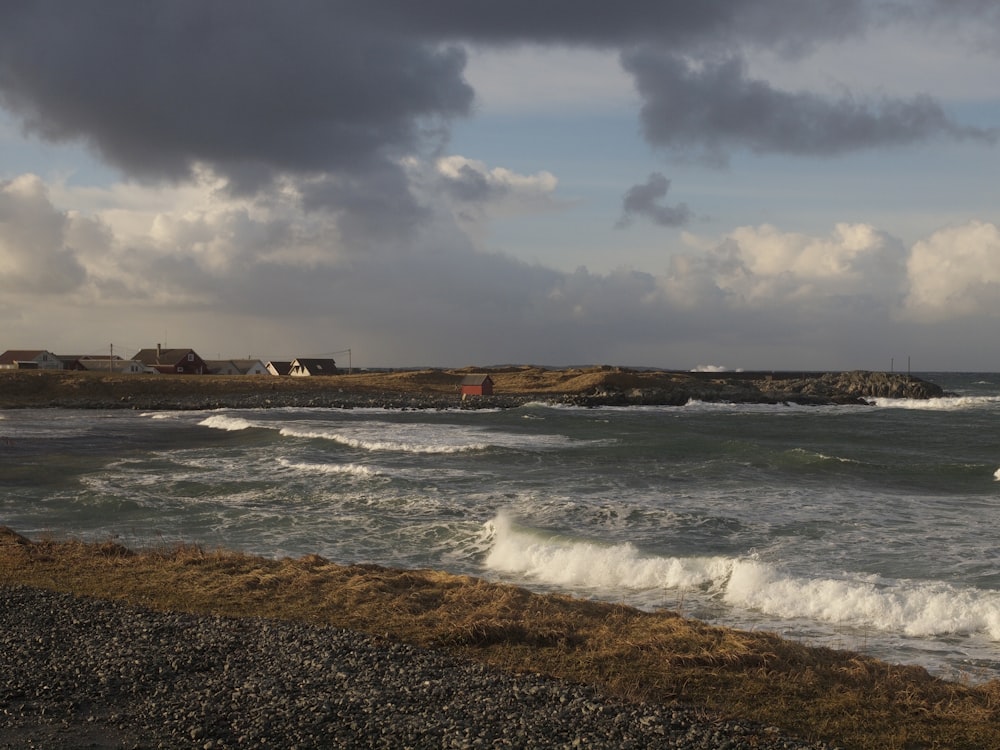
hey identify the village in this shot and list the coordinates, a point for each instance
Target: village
(163, 361)
(184, 361)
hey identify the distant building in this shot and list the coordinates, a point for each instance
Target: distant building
(277, 367)
(304, 367)
(221, 367)
(250, 367)
(236, 367)
(29, 359)
(172, 361)
(477, 384)
(72, 361)
(115, 365)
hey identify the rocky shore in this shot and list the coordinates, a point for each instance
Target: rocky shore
(87, 673)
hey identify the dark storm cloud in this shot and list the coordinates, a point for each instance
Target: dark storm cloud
(371, 206)
(250, 88)
(319, 87)
(714, 107)
(791, 24)
(643, 200)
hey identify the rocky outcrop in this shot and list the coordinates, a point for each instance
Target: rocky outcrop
(846, 387)
(857, 387)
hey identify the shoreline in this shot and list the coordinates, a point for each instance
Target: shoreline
(169, 679)
(655, 675)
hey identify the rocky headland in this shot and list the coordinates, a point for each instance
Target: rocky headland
(439, 389)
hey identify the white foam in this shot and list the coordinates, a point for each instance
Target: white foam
(222, 422)
(356, 470)
(371, 444)
(423, 438)
(808, 454)
(947, 403)
(912, 608)
(588, 565)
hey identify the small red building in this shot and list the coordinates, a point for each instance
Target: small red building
(478, 384)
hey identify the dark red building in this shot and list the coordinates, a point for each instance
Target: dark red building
(477, 385)
(172, 361)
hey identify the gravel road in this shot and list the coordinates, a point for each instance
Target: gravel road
(83, 673)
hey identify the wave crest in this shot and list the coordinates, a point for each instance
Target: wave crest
(913, 608)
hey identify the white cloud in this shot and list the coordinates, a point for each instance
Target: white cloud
(34, 255)
(238, 275)
(955, 273)
(763, 266)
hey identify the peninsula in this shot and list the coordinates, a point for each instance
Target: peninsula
(439, 388)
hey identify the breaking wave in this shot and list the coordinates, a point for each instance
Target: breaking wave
(911, 608)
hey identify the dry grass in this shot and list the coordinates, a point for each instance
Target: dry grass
(841, 697)
(43, 387)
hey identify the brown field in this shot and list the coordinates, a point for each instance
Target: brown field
(838, 696)
(38, 386)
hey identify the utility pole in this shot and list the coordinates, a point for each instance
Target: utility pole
(342, 351)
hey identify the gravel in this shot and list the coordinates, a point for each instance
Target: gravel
(84, 673)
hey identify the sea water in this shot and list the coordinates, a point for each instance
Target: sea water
(870, 528)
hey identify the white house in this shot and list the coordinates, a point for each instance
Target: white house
(304, 367)
(278, 367)
(29, 359)
(117, 365)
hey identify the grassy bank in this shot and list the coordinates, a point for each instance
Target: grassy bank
(820, 694)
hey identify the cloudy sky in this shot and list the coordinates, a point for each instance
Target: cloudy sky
(766, 184)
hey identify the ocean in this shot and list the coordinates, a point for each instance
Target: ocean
(874, 529)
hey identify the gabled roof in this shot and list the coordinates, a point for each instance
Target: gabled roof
(214, 365)
(243, 365)
(279, 366)
(162, 356)
(317, 366)
(11, 356)
(478, 378)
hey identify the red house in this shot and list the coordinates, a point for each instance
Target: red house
(172, 361)
(477, 385)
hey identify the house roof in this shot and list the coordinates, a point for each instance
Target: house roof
(218, 364)
(162, 356)
(478, 378)
(116, 365)
(11, 356)
(280, 366)
(316, 366)
(245, 364)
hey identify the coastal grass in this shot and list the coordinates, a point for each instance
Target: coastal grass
(841, 697)
(20, 388)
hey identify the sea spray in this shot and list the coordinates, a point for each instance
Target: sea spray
(223, 422)
(917, 609)
(574, 563)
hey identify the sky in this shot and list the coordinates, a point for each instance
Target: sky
(765, 184)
